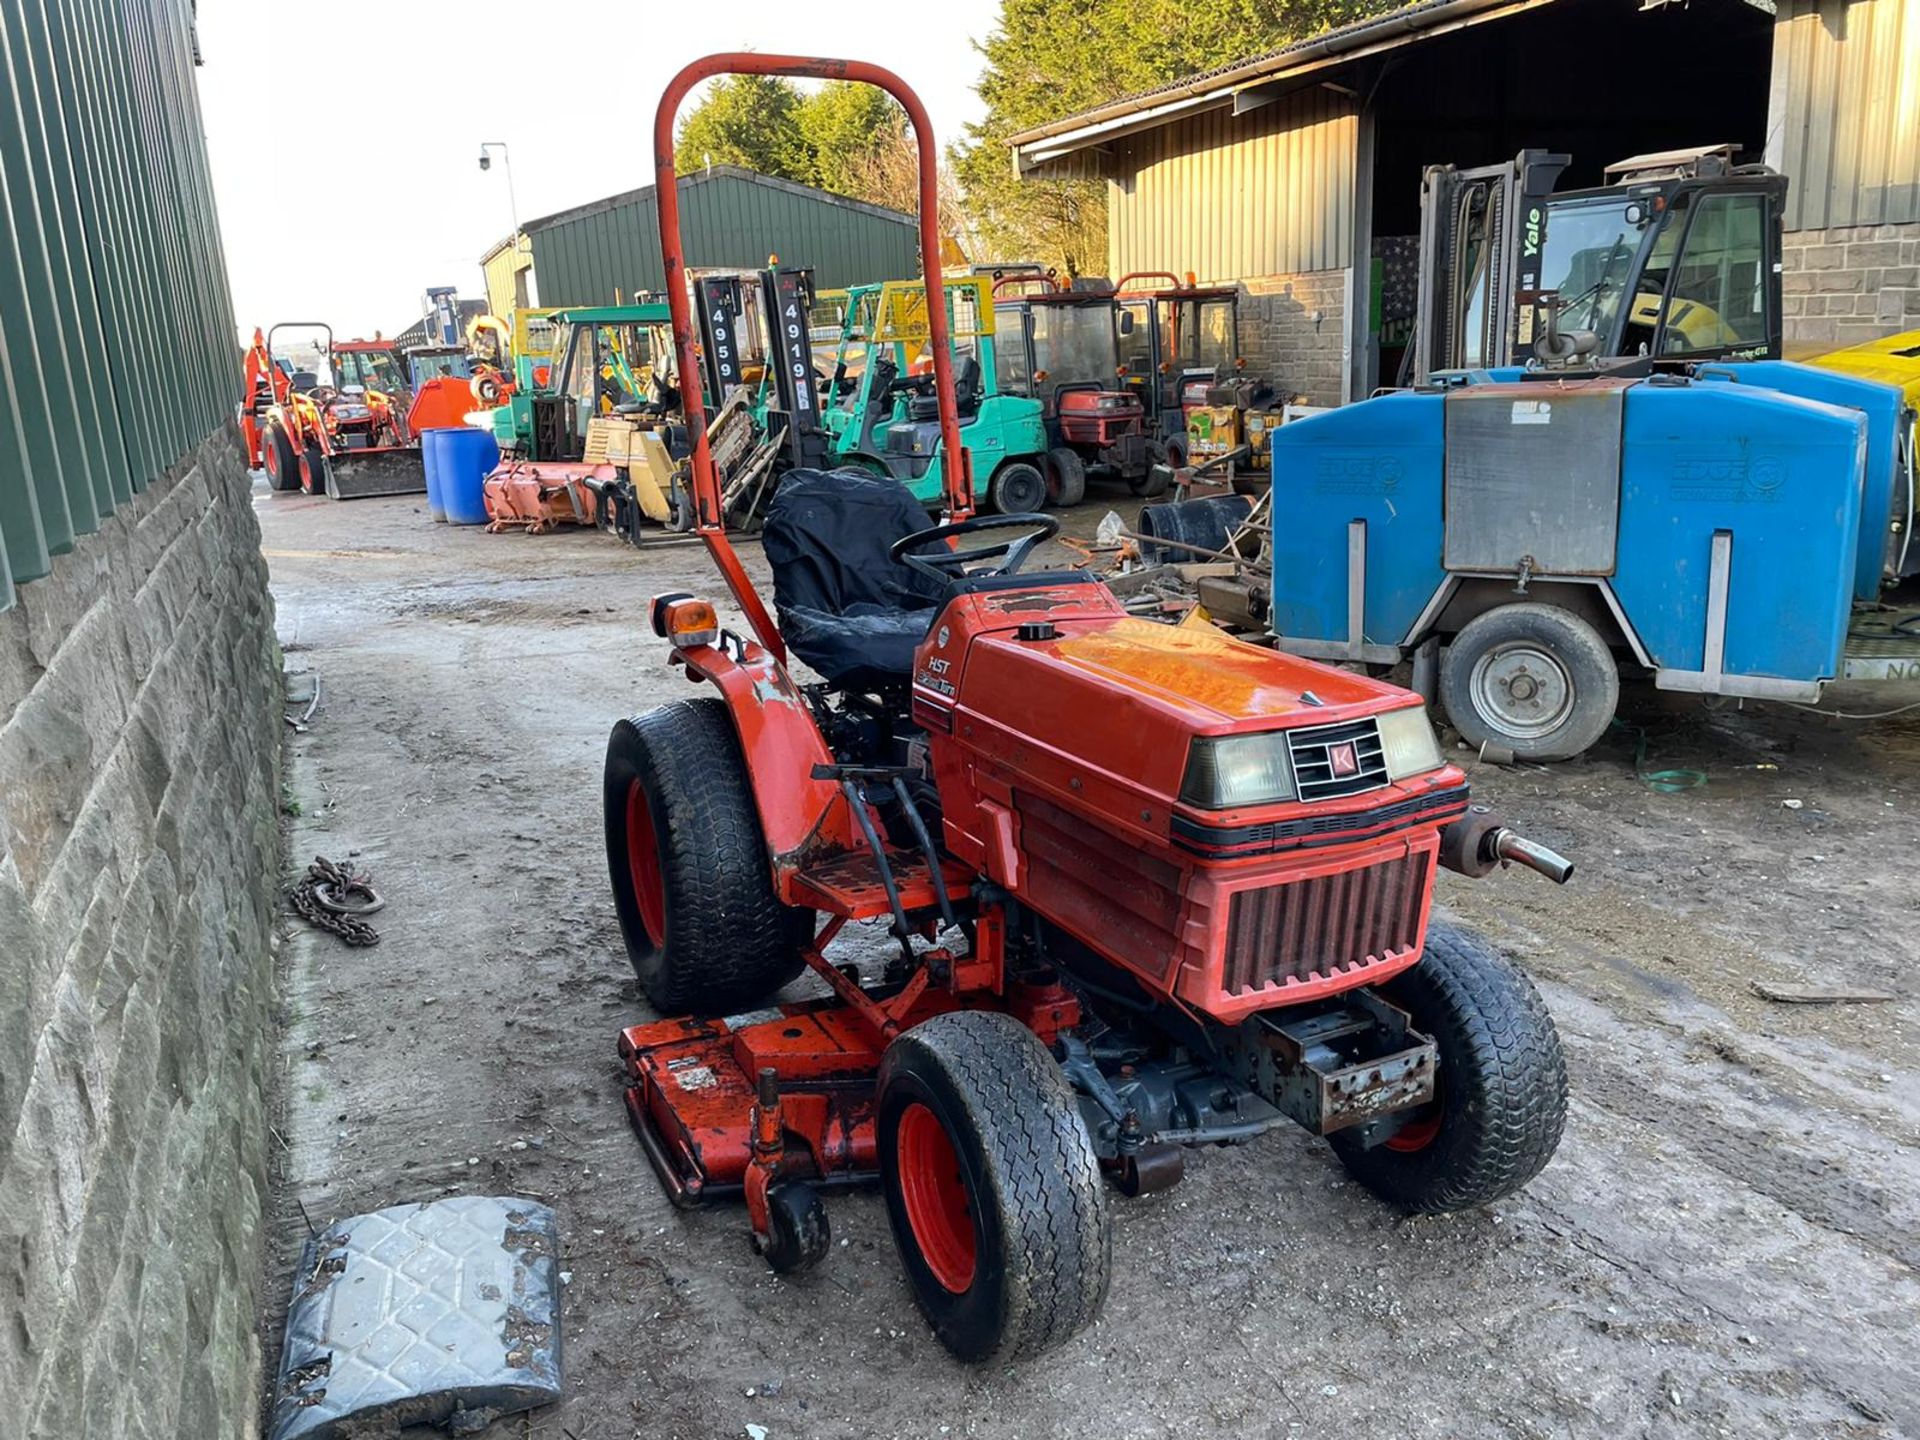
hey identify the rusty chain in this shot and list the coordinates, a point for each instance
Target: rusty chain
(322, 899)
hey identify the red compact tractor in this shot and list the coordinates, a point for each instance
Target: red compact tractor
(1094, 421)
(1143, 888)
(346, 435)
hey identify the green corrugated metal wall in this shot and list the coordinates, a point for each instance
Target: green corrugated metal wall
(117, 352)
(728, 219)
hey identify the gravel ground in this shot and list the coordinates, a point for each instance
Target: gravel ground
(1725, 1245)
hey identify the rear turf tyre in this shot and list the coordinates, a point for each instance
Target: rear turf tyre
(1532, 678)
(283, 462)
(992, 1187)
(1066, 477)
(1502, 1098)
(1017, 488)
(691, 885)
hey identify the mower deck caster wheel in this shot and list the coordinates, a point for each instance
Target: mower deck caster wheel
(1151, 1168)
(798, 1233)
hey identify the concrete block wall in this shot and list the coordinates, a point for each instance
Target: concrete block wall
(1293, 332)
(1842, 286)
(139, 858)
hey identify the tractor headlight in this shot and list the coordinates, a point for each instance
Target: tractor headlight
(1407, 743)
(1227, 771)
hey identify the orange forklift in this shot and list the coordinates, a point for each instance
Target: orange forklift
(1196, 913)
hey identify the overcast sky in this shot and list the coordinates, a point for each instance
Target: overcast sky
(345, 139)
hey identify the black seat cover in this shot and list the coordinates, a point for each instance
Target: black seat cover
(846, 607)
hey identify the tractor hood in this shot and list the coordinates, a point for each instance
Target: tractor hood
(1062, 685)
(1213, 682)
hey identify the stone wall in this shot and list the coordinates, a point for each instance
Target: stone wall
(139, 853)
(1293, 332)
(1849, 284)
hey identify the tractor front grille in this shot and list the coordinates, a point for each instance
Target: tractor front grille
(1325, 925)
(1344, 759)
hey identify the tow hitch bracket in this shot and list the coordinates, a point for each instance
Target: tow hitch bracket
(1343, 1065)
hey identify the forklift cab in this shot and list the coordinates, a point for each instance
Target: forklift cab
(1684, 267)
(881, 410)
(1676, 258)
(890, 410)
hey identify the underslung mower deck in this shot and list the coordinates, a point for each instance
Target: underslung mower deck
(1146, 887)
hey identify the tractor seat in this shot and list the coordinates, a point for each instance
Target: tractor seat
(847, 608)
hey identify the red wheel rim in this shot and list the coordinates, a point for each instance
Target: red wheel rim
(643, 865)
(935, 1198)
(1418, 1133)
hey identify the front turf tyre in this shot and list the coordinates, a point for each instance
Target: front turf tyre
(704, 930)
(1502, 1084)
(992, 1187)
(1532, 678)
(1066, 477)
(1017, 488)
(283, 462)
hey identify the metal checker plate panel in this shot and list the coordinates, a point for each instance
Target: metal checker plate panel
(1533, 470)
(444, 1313)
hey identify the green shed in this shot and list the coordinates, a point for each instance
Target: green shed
(729, 217)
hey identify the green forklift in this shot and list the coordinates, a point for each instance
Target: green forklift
(880, 412)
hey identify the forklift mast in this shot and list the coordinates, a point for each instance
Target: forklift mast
(1676, 258)
(780, 300)
(1481, 233)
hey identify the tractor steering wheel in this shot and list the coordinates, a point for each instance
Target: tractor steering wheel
(947, 565)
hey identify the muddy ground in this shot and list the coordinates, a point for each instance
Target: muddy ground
(1726, 1243)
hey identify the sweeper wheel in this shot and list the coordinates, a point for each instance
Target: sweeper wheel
(992, 1186)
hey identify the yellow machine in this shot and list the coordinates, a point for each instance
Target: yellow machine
(640, 449)
(1894, 360)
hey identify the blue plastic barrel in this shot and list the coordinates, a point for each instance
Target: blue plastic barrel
(432, 451)
(467, 457)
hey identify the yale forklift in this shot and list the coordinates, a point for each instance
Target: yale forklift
(1604, 466)
(1675, 259)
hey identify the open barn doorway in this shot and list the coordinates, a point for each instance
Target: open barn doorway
(1596, 79)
